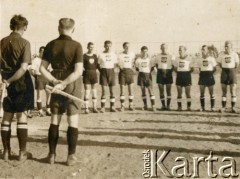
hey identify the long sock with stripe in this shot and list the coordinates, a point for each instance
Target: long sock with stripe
(162, 99)
(53, 135)
(233, 101)
(6, 135)
(22, 134)
(202, 101)
(212, 101)
(169, 101)
(122, 100)
(224, 101)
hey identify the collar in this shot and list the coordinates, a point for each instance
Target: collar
(15, 34)
(65, 37)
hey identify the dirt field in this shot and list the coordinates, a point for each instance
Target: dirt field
(110, 145)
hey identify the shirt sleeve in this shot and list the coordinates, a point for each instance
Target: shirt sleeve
(27, 53)
(79, 54)
(214, 63)
(236, 58)
(47, 53)
(137, 63)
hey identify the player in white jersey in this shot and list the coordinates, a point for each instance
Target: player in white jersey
(207, 67)
(107, 62)
(229, 62)
(40, 82)
(126, 75)
(183, 65)
(145, 66)
(164, 64)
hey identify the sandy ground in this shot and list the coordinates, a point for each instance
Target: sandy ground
(110, 145)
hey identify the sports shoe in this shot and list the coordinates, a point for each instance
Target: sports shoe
(233, 110)
(102, 110)
(168, 108)
(6, 155)
(222, 110)
(113, 110)
(163, 108)
(202, 110)
(122, 109)
(153, 109)
(24, 155)
(40, 113)
(179, 108)
(87, 111)
(145, 108)
(72, 160)
(95, 110)
(131, 108)
(48, 113)
(51, 158)
(213, 109)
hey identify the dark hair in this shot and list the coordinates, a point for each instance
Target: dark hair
(125, 43)
(162, 45)
(184, 47)
(90, 43)
(17, 22)
(204, 46)
(66, 23)
(107, 42)
(214, 50)
(42, 47)
(144, 48)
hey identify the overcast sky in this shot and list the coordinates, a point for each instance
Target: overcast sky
(140, 22)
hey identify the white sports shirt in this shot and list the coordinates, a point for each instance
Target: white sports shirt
(183, 65)
(228, 60)
(207, 64)
(126, 60)
(164, 61)
(36, 63)
(107, 60)
(144, 65)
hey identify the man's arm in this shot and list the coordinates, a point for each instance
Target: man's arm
(45, 72)
(18, 74)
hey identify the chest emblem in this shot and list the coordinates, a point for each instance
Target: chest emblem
(164, 59)
(205, 63)
(91, 60)
(227, 59)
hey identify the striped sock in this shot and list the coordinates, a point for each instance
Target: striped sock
(224, 101)
(152, 97)
(22, 134)
(103, 101)
(112, 102)
(202, 101)
(122, 100)
(233, 102)
(169, 101)
(6, 135)
(189, 102)
(162, 99)
(131, 100)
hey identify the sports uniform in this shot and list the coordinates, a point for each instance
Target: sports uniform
(90, 65)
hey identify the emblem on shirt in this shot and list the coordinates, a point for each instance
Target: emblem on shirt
(164, 59)
(181, 64)
(227, 59)
(144, 64)
(205, 63)
(126, 59)
(108, 57)
(91, 60)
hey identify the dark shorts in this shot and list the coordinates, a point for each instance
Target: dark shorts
(144, 79)
(40, 82)
(164, 76)
(107, 77)
(206, 78)
(60, 104)
(126, 76)
(90, 77)
(184, 79)
(229, 76)
(20, 94)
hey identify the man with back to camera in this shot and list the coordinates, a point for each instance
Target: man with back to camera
(107, 61)
(15, 57)
(228, 62)
(66, 59)
(126, 75)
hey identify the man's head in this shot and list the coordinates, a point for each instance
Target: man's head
(164, 48)
(90, 47)
(182, 51)
(228, 47)
(41, 50)
(144, 51)
(18, 23)
(66, 26)
(204, 50)
(107, 45)
(126, 46)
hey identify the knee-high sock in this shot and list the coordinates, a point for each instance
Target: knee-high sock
(22, 134)
(202, 101)
(224, 101)
(144, 98)
(6, 135)
(103, 101)
(168, 100)
(94, 101)
(179, 102)
(212, 101)
(152, 97)
(189, 102)
(72, 137)
(122, 100)
(86, 103)
(53, 135)
(233, 101)
(131, 98)
(162, 99)
(112, 102)
(39, 105)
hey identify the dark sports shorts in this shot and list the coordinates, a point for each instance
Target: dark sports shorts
(126, 76)
(229, 76)
(60, 104)
(184, 79)
(206, 78)
(164, 76)
(40, 82)
(107, 77)
(144, 79)
(90, 77)
(20, 96)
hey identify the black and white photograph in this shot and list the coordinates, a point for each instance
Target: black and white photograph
(119, 89)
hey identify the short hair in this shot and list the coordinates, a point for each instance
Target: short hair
(42, 47)
(182, 46)
(125, 43)
(90, 43)
(144, 48)
(228, 42)
(107, 42)
(66, 23)
(204, 46)
(162, 44)
(17, 22)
